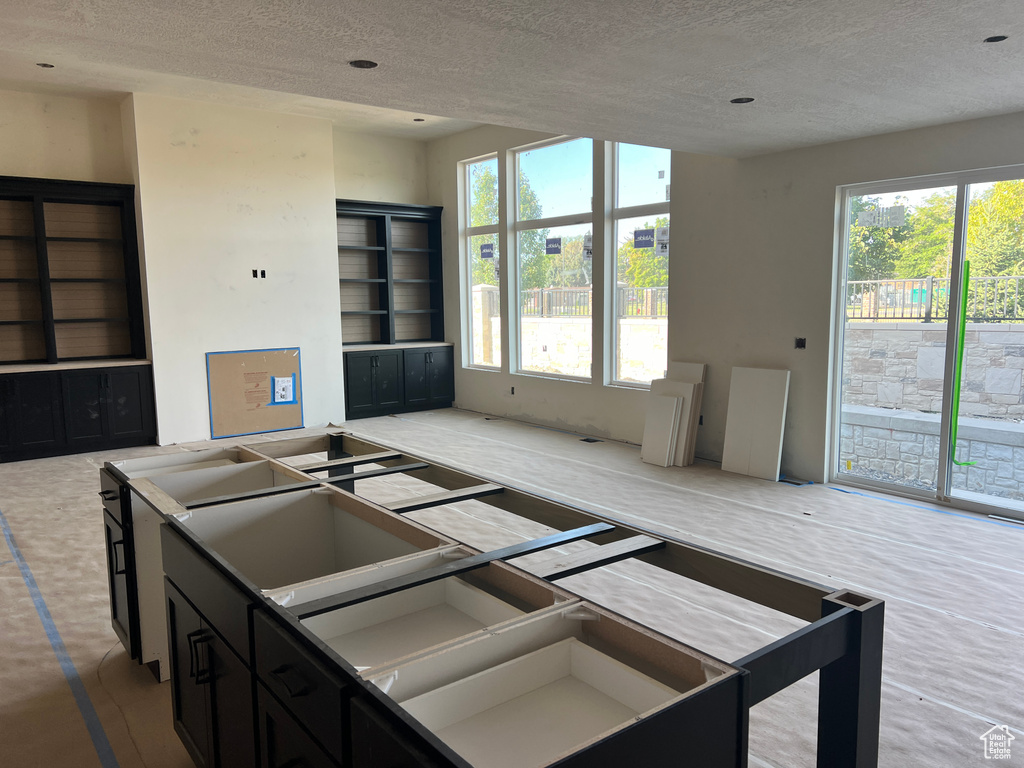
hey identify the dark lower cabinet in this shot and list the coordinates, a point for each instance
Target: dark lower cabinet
(211, 682)
(38, 415)
(373, 382)
(377, 744)
(75, 410)
(121, 565)
(211, 690)
(429, 377)
(283, 742)
(398, 380)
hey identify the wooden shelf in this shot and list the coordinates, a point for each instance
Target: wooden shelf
(389, 267)
(21, 238)
(21, 322)
(91, 320)
(86, 280)
(19, 279)
(113, 240)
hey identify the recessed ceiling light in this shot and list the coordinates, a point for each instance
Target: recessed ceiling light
(417, 119)
(363, 64)
(741, 100)
(995, 39)
(44, 65)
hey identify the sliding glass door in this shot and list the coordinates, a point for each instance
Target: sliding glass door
(929, 396)
(987, 444)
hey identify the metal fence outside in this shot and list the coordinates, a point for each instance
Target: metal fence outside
(989, 299)
(576, 302)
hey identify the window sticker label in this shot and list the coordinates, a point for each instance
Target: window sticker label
(553, 246)
(588, 246)
(894, 216)
(643, 238)
(661, 241)
(487, 250)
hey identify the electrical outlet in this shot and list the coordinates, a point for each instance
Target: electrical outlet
(800, 343)
(513, 390)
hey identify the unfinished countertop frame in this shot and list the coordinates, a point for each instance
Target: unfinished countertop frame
(842, 640)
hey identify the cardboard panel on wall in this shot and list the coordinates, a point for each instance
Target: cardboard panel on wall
(256, 390)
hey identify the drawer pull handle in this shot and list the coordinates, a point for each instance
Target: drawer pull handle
(109, 495)
(300, 687)
(197, 668)
(118, 570)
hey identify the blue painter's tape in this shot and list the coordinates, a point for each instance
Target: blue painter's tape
(929, 509)
(92, 721)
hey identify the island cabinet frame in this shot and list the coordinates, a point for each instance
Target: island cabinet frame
(308, 703)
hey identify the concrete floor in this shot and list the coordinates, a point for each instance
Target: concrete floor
(953, 585)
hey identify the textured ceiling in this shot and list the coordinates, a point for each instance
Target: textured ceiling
(657, 72)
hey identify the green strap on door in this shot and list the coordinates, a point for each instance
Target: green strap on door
(958, 369)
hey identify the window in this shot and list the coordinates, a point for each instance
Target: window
(641, 224)
(546, 233)
(484, 262)
(554, 265)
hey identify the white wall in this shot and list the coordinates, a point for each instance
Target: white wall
(61, 137)
(753, 248)
(379, 168)
(224, 190)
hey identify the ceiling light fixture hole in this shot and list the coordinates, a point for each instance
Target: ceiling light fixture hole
(363, 64)
(995, 39)
(44, 65)
(741, 100)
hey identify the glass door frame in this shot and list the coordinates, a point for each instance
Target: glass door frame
(962, 180)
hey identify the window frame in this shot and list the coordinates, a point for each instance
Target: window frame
(516, 227)
(617, 214)
(466, 256)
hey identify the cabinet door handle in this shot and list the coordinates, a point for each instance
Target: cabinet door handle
(198, 668)
(118, 571)
(302, 686)
(109, 495)
(430, 358)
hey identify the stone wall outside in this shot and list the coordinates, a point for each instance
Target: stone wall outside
(900, 365)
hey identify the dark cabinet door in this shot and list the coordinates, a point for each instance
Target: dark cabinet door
(85, 395)
(388, 380)
(231, 706)
(130, 403)
(117, 578)
(441, 376)
(40, 417)
(359, 399)
(417, 382)
(429, 377)
(108, 406)
(8, 404)
(211, 690)
(283, 743)
(190, 678)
